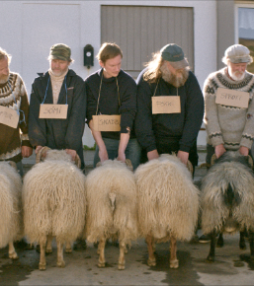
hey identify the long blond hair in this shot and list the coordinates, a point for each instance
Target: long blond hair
(153, 72)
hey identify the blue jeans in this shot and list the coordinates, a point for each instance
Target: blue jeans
(132, 152)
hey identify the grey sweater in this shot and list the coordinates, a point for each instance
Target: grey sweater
(231, 126)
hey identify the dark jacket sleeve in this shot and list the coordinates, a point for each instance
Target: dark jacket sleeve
(24, 107)
(76, 119)
(143, 121)
(128, 105)
(37, 127)
(91, 103)
(194, 113)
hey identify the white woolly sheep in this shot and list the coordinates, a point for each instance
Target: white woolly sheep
(227, 199)
(11, 224)
(111, 207)
(54, 203)
(168, 204)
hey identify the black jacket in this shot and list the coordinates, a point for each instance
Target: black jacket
(108, 103)
(177, 129)
(59, 133)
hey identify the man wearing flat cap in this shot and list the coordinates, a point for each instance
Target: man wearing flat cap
(170, 106)
(229, 105)
(57, 106)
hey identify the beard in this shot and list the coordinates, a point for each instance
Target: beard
(237, 75)
(4, 79)
(178, 79)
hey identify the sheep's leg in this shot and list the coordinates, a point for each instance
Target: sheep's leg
(150, 246)
(101, 249)
(42, 264)
(251, 241)
(60, 260)
(121, 261)
(12, 252)
(49, 244)
(220, 241)
(68, 247)
(211, 254)
(173, 262)
(242, 244)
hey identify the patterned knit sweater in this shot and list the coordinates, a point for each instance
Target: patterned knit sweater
(12, 139)
(231, 126)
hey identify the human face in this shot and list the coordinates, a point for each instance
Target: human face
(176, 72)
(176, 77)
(4, 70)
(237, 71)
(59, 67)
(111, 67)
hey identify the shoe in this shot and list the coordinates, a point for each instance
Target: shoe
(204, 239)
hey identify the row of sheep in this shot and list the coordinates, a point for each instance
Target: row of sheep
(159, 202)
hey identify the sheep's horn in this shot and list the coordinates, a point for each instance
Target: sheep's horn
(190, 167)
(13, 164)
(250, 160)
(213, 158)
(129, 164)
(42, 151)
(77, 161)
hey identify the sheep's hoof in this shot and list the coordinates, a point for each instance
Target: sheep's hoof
(210, 258)
(101, 264)
(121, 266)
(49, 250)
(68, 250)
(151, 262)
(174, 263)
(42, 266)
(13, 255)
(61, 264)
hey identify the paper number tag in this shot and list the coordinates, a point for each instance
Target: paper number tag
(166, 104)
(53, 111)
(9, 117)
(232, 97)
(107, 122)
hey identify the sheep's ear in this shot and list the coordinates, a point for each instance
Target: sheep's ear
(77, 161)
(13, 164)
(129, 164)
(42, 153)
(213, 158)
(250, 161)
(190, 167)
(98, 164)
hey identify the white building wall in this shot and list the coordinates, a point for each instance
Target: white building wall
(29, 28)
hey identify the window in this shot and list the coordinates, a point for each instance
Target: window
(246, 31)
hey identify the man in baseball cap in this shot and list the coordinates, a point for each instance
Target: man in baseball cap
(59, 85)
(168, 82)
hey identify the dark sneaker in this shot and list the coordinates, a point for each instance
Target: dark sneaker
(204, 239)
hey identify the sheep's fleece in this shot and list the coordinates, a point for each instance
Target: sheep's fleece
(168, 201)
(215, 184)
(11, 224)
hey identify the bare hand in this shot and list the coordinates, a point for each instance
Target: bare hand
(219, 150)
(121, 156)
(103, 155)
(71, 152)
(244, 151)
(183, 156)
(26, 151)
(152, 155)
(37, 149)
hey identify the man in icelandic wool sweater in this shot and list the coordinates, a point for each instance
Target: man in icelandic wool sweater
(14, 141)
(229, 105)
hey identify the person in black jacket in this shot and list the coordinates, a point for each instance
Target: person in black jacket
(168, 82)
(60, 85)
(111, 91)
